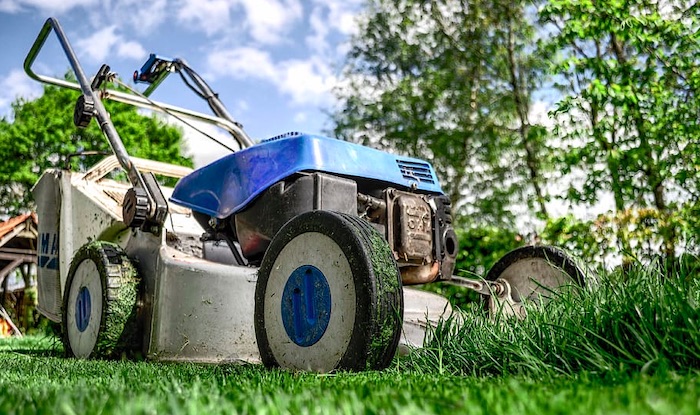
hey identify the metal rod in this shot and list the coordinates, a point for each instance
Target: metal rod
(100, 112)
(243, 140)
(481, 286)
(225, 123)
(212, 98)
(18, 251)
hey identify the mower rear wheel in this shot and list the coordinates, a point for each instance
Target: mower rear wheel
(536, 273)
(100, 303)
(328, 297)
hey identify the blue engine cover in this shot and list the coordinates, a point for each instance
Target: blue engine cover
(227, 185)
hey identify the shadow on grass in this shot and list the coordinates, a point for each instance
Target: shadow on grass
(37, 346)
(39, 352)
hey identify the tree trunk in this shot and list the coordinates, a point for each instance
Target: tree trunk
(655, 181)
(522, 106)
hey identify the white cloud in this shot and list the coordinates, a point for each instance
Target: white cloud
(242, 106)
(329, 16)
(17, 84)
(131, 50)
(45, 6)
(103, 43)
(317, 41)
(9, 6)
(307, 82)
(137, 15)
(242, 63)
(301, 117)
(203, 149)
(343, 14)
(208, 16)
(97, 46)
(267, 21)
(144, 16)
(141, 17)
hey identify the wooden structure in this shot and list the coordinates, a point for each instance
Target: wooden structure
(18, 251)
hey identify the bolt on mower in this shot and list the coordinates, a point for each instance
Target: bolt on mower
(296, 251)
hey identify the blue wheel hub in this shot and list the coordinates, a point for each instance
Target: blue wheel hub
(306, 305)
(83, 308)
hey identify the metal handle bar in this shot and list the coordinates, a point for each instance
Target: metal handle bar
(231, 127)
(85, 87)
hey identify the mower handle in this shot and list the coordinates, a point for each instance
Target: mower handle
(85, 87)
(228, 125)
(149, 205)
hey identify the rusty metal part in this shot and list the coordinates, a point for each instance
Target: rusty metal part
(409, 227)
(503, 304)
(481, 286)
(370, 207)
(419, 230)
(415, 230)
(499, 295)
(419, 274)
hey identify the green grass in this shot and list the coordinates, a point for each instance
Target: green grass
(33, 381)
(627, 347)
(641, 321)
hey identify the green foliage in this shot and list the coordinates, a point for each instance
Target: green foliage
(629, 235)
(629, 116)
(41, 135)
(593, 240)
(451, 82)
(454, 82)
(481, 247)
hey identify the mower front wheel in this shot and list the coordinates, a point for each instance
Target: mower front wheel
(328, 297)
(100, 303)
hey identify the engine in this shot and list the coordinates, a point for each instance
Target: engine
(245, 197)
(418, 227)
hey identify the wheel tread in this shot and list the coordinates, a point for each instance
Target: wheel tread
(119, 326)
(375, 337)
(389, 285)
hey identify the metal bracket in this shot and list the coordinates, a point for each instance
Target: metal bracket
(154, 72)
(499, 293)
(159, 206)
(481, 286)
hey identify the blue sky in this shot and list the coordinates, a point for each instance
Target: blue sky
(273, 62)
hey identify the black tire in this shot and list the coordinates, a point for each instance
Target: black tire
(100, 303)
(356, 317)
(535, 272)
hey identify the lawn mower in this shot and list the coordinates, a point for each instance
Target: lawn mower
(295, 251)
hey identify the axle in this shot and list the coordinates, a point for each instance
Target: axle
(499, 295)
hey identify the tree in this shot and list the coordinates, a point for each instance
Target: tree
(452, 82)
(631, 104)
(41, 135)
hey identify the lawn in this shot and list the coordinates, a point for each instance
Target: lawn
(628, 347)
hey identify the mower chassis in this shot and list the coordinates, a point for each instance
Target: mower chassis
(191, 309)
(200, 310)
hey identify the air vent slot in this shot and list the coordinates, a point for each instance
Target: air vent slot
(415, 171)
(290, 134)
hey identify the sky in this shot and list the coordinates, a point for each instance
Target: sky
(272, 62)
